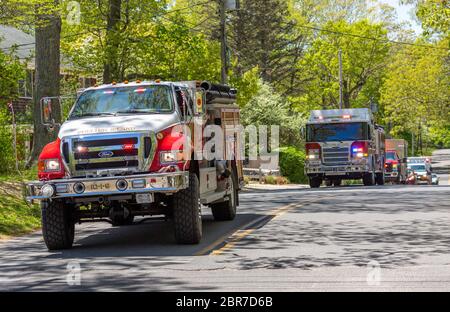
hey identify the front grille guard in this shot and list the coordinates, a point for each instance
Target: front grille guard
(143, 162)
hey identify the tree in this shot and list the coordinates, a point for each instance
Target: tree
(268, 108)
(364, 60)
(434, 15)
(262, 35)
(416, 93)
(149, 41)
(47, 62)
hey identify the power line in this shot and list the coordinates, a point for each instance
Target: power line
(371, 38)
(163, 14)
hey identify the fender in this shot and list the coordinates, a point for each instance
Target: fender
(51, 151)
(171, 139)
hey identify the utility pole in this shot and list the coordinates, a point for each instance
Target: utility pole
(223, 41)
(341, 81)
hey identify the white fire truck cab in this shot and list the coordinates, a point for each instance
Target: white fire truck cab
(344, 144)
(132, 149)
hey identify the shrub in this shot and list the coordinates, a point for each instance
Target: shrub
(6, 148)
(281, 181)
(270, 180)
(292, 164)
(275, 180)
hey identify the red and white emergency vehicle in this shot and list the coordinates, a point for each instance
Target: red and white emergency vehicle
(122, 153)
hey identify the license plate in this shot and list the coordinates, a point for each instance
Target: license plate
(145, 198)
(335, 173)
(99, 186)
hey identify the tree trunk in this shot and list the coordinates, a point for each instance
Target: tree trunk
(111, 68)
(47, 46)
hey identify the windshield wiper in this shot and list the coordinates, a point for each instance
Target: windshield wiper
(92, 115)
(96, 114)
(135, 111)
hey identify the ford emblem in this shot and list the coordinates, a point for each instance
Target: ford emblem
(106, 154)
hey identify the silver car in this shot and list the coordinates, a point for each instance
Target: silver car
(434, 179)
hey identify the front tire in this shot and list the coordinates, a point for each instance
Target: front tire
(380, 178)
(369, 179)
(187, 213)
(315, 182)
(58, 225)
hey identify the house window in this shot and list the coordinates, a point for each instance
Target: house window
(26, 86)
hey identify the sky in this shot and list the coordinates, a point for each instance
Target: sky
(405, 13)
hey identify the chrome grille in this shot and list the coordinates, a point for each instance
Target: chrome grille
(335, 156)
(108, 154)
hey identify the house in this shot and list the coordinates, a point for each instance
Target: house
(23, 44)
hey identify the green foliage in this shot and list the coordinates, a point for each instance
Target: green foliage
(416, 93)
(435, 15)
(292, 164)
(247, 85)
(150, 42)
(268, 108)
(440, 136)
(7, 156)
(6, 148)
(363, 64)
(11, 71)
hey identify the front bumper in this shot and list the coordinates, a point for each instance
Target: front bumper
(109, 186)
(391, 175)
(336, 170)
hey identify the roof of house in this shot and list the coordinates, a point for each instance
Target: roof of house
(24, 45)
(12, 37)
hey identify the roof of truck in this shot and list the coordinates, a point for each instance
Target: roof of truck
(142, 83)
(340, 115)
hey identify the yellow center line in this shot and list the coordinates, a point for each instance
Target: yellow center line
(241, 234)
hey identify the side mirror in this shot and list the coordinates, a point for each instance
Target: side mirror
(49, 109)
(303, 132)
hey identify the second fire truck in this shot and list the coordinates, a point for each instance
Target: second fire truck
(344, 144)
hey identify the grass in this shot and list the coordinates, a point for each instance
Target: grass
(16, 216)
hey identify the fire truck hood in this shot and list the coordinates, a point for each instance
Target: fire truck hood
(118, 124)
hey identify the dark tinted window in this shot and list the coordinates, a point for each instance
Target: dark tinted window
(418, 167)
(337, 132)
(391, 156)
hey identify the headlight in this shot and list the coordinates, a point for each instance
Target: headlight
(52, 165)
(168, 157)
(48, 190)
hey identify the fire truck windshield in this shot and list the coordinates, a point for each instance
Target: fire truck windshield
(150, 99)
(391, 156)
(355, 131)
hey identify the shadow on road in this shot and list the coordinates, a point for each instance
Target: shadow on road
(352, 228)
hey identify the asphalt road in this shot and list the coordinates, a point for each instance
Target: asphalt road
(288, 239)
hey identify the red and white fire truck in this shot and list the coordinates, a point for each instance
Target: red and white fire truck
(344, 144)
(396, 166)
(135, 149)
